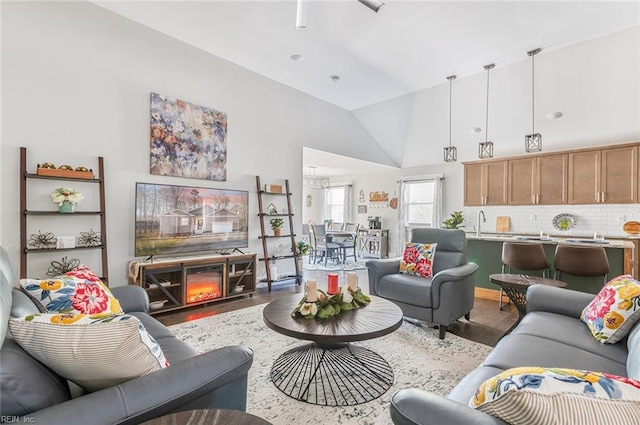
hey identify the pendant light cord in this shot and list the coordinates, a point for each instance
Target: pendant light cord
(450, 86)
(533, 53)
(486, 122)
(533, 141)
(450, 78)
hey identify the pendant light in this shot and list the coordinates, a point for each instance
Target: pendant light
(374, 5)
(450, 152)
(533, 141)
(301, 15)
(485, 149)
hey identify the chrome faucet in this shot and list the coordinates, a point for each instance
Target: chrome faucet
(484, 220)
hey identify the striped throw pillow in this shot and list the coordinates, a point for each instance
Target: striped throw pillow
(94, 351)
(535, 395)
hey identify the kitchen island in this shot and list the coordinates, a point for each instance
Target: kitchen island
(486, 251)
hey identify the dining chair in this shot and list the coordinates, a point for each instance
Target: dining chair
(581, 261)
(336, 226)
(349, 244)
(322, 246)
(307, 237)
(523, 256)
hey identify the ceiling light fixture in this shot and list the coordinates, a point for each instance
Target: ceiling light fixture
(450, 152)
(301, 10)
(485, 149)
(554, 115)
(301, 14)
(533, 141)
(335, 78)
(297, 58)
(313, 181)
(374, 5)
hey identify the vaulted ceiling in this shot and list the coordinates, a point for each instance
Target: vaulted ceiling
(405, 47)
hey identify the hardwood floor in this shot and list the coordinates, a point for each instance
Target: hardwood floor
(486, 326)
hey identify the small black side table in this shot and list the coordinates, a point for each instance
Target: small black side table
(516, 285)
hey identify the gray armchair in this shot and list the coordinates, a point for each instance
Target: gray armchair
(441, 299)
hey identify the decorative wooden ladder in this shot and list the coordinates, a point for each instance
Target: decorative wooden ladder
(271, 259)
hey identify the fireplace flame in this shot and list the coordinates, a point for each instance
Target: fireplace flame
(202, 291)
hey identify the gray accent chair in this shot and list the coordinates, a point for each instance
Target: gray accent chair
(33, 393)
(441, 299)
(551, 334)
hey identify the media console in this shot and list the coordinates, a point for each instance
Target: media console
(180, 282)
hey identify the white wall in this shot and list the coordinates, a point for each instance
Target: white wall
(76, 81)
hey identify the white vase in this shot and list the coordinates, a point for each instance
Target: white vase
(300, 262)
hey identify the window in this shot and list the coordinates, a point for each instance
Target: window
(419, 202)
(335, 203)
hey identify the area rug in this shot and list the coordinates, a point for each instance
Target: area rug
(336, 267)
(419, 359)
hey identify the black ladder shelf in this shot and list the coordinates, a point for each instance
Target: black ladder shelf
(25, 214)
(269, 259)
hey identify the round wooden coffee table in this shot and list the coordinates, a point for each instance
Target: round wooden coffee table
(330, 371)
(516, 285)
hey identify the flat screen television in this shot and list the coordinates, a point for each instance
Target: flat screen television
(187, 219)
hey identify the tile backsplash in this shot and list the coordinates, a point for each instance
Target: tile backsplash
(530, 220)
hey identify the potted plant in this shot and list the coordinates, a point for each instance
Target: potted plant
(66, 198)
(301, 248)
(454, 221)
(276, 224)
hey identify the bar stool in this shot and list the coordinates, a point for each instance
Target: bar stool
(582, 261)
(525, 257)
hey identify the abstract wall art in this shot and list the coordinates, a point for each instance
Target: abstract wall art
(187, 140)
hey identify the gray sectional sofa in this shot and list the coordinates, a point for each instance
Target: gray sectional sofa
(33, 393)
(550, 335)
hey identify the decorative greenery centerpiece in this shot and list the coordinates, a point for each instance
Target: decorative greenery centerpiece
(454, 221)
(329, 305)
(66, 198)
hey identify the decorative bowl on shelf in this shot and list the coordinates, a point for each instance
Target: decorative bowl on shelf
(238, 288)
(157, 305)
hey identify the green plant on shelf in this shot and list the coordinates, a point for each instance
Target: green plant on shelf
(276, 223)
(302, 248)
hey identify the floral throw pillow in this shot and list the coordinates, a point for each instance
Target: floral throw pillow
(614, 311)
(94, 351)
(535, 395)
(417, 259)
(77, 291)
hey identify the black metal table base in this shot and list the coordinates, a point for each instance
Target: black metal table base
(332, 375)
(519, 298)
